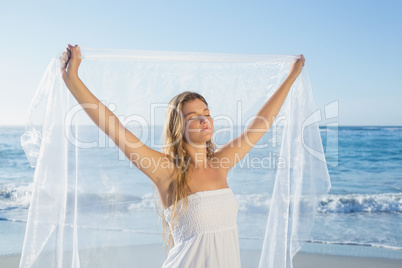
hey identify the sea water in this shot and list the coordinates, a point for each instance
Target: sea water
(363, 207)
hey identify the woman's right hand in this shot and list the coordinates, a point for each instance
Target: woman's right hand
(69, 62)
(296, 67)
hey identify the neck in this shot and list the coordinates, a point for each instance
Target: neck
(198, 155)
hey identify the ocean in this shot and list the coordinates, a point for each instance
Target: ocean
(363, 207)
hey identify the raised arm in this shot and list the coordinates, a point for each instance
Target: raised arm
(234, 151)
(109, 123)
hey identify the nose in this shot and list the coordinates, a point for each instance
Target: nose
(203, 119)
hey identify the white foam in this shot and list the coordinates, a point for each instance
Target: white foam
(18, 196)
(15, 196)
(388, 202)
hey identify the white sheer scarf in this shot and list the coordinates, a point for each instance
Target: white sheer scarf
(89, 204)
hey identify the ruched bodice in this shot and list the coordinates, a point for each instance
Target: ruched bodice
(206, 233)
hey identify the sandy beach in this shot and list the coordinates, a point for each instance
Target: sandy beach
(144, 256)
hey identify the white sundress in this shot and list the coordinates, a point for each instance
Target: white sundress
(206, 234)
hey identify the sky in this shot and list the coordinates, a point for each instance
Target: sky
(353, 49)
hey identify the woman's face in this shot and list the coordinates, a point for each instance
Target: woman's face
(199, 126)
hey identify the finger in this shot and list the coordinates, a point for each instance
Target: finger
(302, 59)
(75, 52)
(72, 52)
(299, 57)
(79, 52)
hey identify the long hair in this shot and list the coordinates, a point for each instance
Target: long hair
(174, 148)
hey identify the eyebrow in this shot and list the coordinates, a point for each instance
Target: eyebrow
(195, 112)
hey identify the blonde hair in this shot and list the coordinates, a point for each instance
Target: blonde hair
(174, 148)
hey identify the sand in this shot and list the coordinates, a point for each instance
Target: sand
(153, 256)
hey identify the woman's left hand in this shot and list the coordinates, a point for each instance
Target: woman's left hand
(296, 67)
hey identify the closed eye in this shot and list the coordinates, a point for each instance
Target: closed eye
(195, 117)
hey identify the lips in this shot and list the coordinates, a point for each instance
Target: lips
(206, 129)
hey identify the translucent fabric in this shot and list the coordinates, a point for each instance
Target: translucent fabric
(91, 207)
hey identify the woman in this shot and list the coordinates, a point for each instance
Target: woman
(199, 208)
